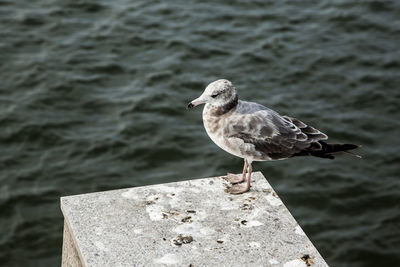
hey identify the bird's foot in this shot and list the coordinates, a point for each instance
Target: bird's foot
(238, 189)
(234, 179)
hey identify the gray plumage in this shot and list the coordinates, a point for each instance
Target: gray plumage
(257, 133)
(250, 130)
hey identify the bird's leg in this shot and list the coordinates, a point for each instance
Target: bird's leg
(244, 187)
(235, 179)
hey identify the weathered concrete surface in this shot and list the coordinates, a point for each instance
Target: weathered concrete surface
(190, 223)
(70, 257)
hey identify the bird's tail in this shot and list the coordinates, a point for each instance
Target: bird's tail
(328, 149)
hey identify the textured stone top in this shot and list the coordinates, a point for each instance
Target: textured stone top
(190, 223)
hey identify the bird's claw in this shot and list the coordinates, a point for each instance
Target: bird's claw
(238, 189)
(234, 179)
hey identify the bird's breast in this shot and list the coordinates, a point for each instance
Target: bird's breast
(219, 129)
(213, 123)
(215, 128)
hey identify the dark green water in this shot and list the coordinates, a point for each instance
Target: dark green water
(93, 95)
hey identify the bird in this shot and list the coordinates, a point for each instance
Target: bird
(256, 133)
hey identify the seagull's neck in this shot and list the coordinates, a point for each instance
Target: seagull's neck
(225, 108)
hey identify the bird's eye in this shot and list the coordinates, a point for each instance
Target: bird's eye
(215, 95)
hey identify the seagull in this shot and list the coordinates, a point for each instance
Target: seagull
(256, 133)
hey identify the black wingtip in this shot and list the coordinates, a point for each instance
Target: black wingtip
(349, 146)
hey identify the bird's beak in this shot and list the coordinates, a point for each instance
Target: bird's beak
(196, 102)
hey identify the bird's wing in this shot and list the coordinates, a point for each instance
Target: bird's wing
(272, 135)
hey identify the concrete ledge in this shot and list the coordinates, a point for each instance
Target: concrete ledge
(191, 223)
(70, 256)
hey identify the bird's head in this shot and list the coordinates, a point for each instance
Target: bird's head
(218, 93)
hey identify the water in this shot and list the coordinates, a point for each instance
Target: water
(93, 95)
